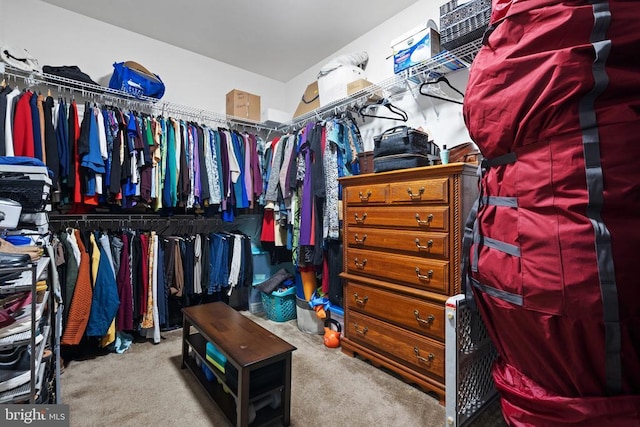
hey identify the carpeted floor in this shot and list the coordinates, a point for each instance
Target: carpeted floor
(146, 387)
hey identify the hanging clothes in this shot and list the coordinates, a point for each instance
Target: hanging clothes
(80, 307)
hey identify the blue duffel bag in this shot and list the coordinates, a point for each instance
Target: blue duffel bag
(135, 79)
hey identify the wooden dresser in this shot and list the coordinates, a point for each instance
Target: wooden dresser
(402, 250)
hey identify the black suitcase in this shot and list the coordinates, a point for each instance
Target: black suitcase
(401, 148)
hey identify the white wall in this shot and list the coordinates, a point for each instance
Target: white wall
(443, 120)
(56, 36)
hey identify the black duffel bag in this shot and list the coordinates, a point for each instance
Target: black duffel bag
(402, 147)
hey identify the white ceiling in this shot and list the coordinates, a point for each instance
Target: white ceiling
(275, 38)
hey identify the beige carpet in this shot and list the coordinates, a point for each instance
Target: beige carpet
(146, 387)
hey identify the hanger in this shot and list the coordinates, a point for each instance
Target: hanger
(374, 110)
(437, 82)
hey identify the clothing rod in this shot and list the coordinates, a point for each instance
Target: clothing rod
(128, 217)
(104, 94)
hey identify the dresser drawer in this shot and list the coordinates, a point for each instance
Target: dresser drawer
(368, 194)
(422, 273)
(434, 190)
(423, 354)
(418, 315)
(417, 242)
(426, 218)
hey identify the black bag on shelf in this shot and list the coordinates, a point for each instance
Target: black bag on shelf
(401, 147)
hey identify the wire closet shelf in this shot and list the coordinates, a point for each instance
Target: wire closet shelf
(106, 95)
(441, 64)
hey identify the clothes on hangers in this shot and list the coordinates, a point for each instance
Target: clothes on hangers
(302, 193)
(104, 155)
(137, 281)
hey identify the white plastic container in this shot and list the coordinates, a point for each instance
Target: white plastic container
(333, 86)
(10, 211)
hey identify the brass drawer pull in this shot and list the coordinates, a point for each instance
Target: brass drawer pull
(360, 220)
(360, 241)
(428, 276)
(360, 331)
(360, 265)
(415, 196)
(364, 198)
(423, 222)
(429, 244)
(428, 321)
(427, 359)
(360, 301)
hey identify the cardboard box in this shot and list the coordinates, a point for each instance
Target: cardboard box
(360, 84)
(243, 105)
(333, 86)
(414, 47)
(309, 101)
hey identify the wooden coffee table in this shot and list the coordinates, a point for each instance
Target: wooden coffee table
(249, 349)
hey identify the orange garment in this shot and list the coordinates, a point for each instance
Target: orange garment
(80, 307)
(309, 282)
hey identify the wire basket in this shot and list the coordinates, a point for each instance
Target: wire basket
(32, 194)
(463, 24)
(280, 306)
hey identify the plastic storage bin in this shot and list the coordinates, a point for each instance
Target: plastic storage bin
(464, 23)
(262, 270)
(308, 320)
(280, 306)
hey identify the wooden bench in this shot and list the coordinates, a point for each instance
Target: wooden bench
(250, 349)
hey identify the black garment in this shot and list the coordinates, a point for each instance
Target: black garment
(162, 293)
(224, 157)
(71, 182)
(188, 262)
(125, 172)
(205, 193)
(83, 140)
(319, 190)
(143, 150)
(248, 263)
(169, 260)
(317, 164)
(72, 72)
(51, 142)
(334, 259)
(83, 146)
(204, 256)
(184, 184)
(136, 276)
(115, 182)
